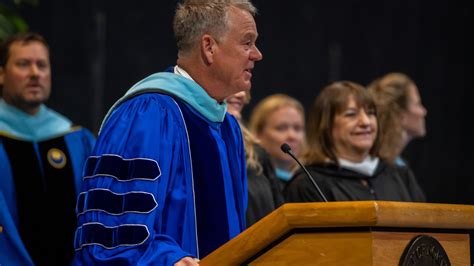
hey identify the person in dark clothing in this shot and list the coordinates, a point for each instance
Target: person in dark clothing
(343, 152)
(264, 193)
(342, 184)
(401, 116)
(400, 111)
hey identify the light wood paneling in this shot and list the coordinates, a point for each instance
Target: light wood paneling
(319, 249)
(353, 214)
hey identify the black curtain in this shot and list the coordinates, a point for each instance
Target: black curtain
(99, 49)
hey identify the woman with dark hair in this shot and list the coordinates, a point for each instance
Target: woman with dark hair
(343, 151)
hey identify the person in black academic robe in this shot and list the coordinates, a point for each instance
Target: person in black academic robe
(342, 184)
(264, 189)
(343, 152)
(264, 193)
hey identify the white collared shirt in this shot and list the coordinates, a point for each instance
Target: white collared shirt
(366, 167)
(179, 71)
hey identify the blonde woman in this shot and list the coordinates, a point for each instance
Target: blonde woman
(401, 113)
(279, 119)
(401, 118)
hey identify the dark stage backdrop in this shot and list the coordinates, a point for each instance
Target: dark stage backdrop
(101, 48)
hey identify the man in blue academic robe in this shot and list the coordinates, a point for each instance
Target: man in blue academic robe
(166, 183)
(41, 160)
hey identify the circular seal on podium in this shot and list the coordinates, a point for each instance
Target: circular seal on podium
(424, 250)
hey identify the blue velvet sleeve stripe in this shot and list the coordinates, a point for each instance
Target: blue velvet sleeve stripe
(115, 203)
(146, 126)
(110, 237)
(121, 169)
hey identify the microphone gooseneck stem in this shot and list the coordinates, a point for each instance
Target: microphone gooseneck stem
(309, 175)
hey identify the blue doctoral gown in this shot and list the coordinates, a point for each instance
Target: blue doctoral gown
(166, 178)
(41, 161)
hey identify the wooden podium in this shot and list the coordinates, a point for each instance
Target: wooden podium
(349, 233)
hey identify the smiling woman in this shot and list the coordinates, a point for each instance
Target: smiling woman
(279, 119)
(343, 152)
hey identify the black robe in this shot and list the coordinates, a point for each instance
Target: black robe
(391, 183)
(264, 193)
(40, 181)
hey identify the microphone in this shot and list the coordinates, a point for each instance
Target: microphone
(287, 149)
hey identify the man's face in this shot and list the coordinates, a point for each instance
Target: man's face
(236, 53)
(27, 76)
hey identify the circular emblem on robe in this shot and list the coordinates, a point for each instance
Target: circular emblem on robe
(56, 158)
(424, 250)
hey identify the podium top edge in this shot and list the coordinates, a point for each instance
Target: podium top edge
(379, 214)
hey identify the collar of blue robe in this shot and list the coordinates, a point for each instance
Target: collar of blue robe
(400, 162)
(178, 86)
(41, 126)
(283, 174)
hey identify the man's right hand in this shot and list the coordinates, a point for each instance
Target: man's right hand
(187, 261)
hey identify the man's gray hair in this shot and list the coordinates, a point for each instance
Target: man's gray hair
(193, 18)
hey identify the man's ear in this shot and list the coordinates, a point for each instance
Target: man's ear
(208, 47)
